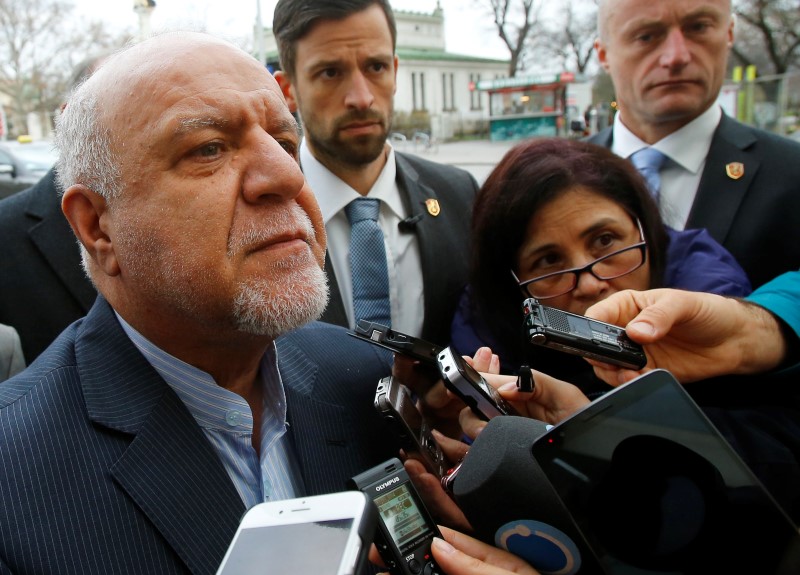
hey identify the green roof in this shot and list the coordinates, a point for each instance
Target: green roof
(420, 54)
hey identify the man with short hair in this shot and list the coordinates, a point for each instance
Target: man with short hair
(339, 70)
(667, 60)
(137, 440)
(144, 432)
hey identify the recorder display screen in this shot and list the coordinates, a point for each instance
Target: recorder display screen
(402, 517)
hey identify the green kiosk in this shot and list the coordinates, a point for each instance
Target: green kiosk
(526, 106)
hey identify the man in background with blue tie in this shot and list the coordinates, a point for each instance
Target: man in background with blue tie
(667, 59)
(398, 226)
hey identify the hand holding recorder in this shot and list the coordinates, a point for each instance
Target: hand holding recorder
(551, 401)
(580, 335)
(693, 335)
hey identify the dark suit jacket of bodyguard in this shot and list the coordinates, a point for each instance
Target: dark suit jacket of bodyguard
(42, 286)
(756, 217)
(444, 240)
(104, 470)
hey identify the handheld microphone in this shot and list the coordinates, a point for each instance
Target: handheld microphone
(510, 502)
(409, 224)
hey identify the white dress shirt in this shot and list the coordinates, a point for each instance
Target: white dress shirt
(686, 150)
(406, 292)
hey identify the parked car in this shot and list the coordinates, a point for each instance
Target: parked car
(22, 164)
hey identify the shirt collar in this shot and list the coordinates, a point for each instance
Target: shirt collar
(687, 146)
(333, 194)
(211, 405)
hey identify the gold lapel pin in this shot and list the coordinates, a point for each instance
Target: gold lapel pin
(735, 170)
(433, 206)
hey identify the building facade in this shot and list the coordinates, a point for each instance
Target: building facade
(437, 84)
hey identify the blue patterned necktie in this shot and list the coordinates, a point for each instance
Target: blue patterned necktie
(649, 161)
(368, 263)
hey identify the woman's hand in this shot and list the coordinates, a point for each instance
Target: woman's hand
(459, 554)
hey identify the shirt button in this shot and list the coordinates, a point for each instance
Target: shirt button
(233, 417)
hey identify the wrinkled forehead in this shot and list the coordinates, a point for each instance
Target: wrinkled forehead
(613, 13)
(206, 80)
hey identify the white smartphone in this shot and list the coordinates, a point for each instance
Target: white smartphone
(319, 535)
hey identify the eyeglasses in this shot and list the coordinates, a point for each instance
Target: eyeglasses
(609, 267)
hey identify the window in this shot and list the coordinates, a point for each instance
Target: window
(444, 92)
(475, 95)
(422, 91)
(414, 91)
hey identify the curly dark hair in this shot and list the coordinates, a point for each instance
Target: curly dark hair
(529, 176)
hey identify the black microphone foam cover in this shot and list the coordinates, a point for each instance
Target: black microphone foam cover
(502, 490)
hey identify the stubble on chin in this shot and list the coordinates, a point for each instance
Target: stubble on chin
(297, 295)
(353, 153)
(290, 292)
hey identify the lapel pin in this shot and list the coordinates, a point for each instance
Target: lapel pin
(735, 170)
(433, 206)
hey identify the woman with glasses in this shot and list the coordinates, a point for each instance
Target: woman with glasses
(570, 223)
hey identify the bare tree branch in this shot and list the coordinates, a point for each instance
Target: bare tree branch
(771, 27)
(515, 21)
(39, 46)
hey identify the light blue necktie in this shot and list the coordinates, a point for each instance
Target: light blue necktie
(649, 161)
(368, 263)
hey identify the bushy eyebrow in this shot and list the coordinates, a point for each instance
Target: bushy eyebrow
(187, 125)
(288, 125)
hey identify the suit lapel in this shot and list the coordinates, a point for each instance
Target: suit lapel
(169, 469)
(718, 195)
(604, 137)
(48, 234)
(176, 479)
(322, 433)
(415, 194)
(334, 312)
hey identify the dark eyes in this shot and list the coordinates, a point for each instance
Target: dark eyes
(209, 150)
(329, 73)
(604, 240)
(694, 28)
(374, 68)
(290, 147)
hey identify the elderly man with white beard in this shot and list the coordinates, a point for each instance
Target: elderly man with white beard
(137, 440)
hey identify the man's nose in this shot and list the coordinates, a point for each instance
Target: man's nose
(676, 53)
(270, 170)
(359, 92)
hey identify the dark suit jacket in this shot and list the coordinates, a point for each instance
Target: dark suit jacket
(443, 240)
(42, 286)
(756, 217)
(105, 470)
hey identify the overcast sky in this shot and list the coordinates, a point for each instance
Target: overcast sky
(467, 29)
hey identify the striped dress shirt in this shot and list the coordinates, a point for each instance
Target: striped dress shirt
(227, 421)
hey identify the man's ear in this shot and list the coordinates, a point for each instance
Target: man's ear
(396, 65)
(602, 55)
(87, 212)
(287, 88)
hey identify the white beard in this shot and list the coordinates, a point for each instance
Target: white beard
(297, 298)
